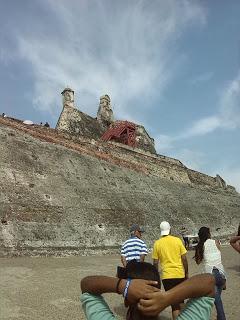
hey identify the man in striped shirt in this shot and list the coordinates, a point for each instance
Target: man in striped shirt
(134, 247)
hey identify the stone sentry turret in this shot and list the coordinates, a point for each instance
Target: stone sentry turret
(63, 123)
(105, 113)
(68, 97)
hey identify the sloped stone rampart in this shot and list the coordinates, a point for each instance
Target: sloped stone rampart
(61, 196)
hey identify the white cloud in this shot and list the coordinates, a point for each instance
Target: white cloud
(227, 117)
(201, 78)
(192, 159)
(163, 143)
(230, 105)
(202, 127)
(123, 48)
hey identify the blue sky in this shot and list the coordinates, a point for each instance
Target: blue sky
(173, 66)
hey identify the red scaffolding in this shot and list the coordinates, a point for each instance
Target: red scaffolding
(121, 131)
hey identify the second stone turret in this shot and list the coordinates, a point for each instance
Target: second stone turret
(105, 113)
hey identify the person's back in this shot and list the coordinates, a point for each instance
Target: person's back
(169, 250)
(134, 248)
(171, 254)
(208, 252)
(212, 257)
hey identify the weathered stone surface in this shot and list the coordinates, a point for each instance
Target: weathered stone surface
(79, 124)
(65, 196)
(144, 141)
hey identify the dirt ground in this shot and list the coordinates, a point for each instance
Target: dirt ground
(48, 288)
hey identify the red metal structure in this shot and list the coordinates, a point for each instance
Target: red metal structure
(121, 131)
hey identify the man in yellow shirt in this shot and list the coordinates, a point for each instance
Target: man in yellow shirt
(171, 254)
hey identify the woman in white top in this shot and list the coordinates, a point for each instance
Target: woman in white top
(208, 252)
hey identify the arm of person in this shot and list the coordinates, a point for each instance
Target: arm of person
(124, 261)
(123, 258)
(144, 252)
(155, 256)
(194, 287)
(138, 288)
(185, 264)
(235, 243)
(183, 253)
(218, 244)
(101, 284)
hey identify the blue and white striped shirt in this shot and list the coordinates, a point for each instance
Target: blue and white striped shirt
(133, 248)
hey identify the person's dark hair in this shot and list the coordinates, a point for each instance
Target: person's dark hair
(140, 270)
(203, 234)
(238, 230)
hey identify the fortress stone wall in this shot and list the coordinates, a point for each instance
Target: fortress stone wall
(69, 194)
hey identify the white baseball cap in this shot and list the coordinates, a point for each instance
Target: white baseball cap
(165, 228)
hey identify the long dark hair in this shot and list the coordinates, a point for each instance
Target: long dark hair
(238, 230)
(203, 234)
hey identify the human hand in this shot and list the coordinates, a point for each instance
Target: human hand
(140, 288)
(153, 304)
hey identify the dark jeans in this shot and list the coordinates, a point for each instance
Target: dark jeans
(171, 283)
(220, 281)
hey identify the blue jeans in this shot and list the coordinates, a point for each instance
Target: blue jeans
(220, 281)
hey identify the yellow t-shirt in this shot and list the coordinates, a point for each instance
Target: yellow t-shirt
(168, 250)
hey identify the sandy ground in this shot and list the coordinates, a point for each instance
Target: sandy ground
(48, 288)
